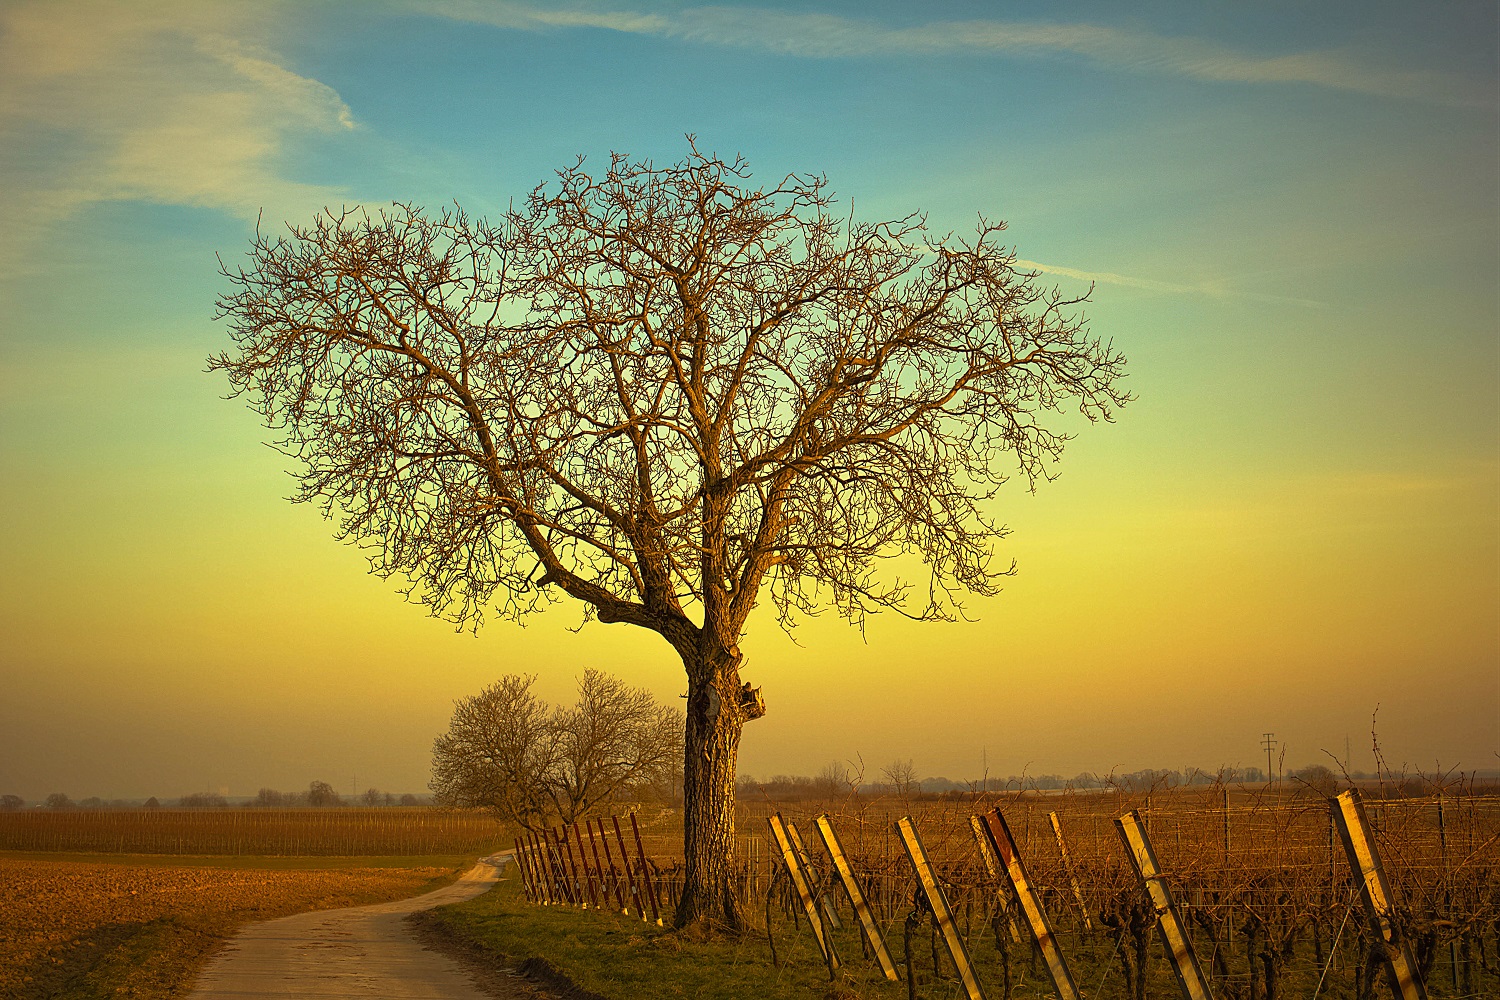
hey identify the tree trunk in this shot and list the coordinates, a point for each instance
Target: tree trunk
(714, 721)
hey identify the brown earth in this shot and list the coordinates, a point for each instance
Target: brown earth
(93, 929)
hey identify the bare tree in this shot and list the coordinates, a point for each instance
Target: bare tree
(672, 397)
(834, 779)
(507, 751)
(615, 739)
(902, 776)
(496, 753)
(321, 793)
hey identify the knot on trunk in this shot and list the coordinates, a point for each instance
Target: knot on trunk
(752, 705)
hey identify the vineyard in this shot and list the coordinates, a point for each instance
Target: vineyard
(1261, 881)
(291, 832)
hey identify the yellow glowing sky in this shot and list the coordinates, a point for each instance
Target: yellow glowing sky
(1295, 522)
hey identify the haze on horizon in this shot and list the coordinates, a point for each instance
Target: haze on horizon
(1291, 217)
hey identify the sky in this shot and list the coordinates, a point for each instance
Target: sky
(1290, 214)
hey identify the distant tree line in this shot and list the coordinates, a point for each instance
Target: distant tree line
(319, 793)
(660, 781)
(838, 779)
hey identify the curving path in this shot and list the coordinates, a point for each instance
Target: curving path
(361, 951)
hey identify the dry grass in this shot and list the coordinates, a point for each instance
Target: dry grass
(89, 929)
(324, 832)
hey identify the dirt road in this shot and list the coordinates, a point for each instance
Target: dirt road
(362, 951)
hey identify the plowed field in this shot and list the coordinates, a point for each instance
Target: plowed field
(90, 929)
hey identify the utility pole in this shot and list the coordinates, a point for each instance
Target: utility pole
(1269, 742)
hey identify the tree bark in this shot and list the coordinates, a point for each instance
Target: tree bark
(714, 723)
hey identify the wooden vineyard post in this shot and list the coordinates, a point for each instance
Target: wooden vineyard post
(793, 861)
(598, 867)
(646, 872)
(519, 857)
(575, 884)
(549, 868)
(1067, 860)
(542, 865)
(1226, 824)
(941, 911)
(635, 889)
(538, 879)
(538, 869)
(555, 863)
(1369, 873)
(613, 871)
(1179, 949)
(588, 873)
(997, 833)
(992, 865)
(856, 897)
(818, 890)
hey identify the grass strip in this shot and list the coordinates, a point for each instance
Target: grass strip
(620, 958)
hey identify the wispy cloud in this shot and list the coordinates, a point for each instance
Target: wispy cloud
(830, 36)
(167, 102)
(1218, 289)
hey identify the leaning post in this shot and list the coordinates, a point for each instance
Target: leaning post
(856, 895)
(598, 865)
(635, 888)
(1354, 830)
(997, 833)
(640, 849)
(1067, 859)
(614, 872)
(588, 873)
(520, 858)
(792, 858)
(1180, 952)
(540, 868)
(941, 911)
(992, 865)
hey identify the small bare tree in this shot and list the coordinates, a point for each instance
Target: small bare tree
(616, 739)
(673, 397)
(507, 751)
(497, 751)
(901, 775)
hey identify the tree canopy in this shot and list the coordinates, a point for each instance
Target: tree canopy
(572, 398)
(670, 395)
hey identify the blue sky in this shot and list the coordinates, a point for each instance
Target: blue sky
(1291, 214)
